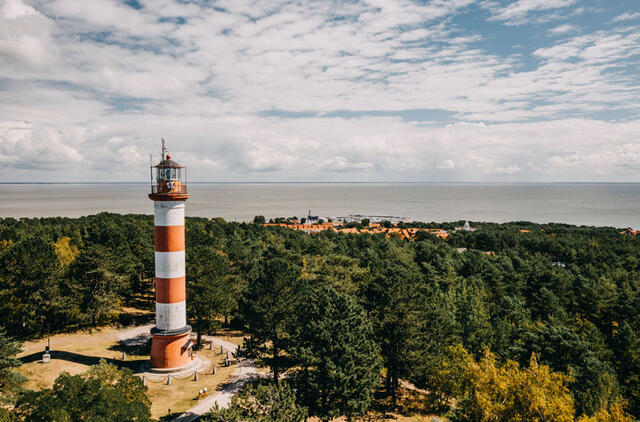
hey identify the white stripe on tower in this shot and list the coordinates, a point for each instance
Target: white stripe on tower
(169, 265)
(171, 316)
(169, 213)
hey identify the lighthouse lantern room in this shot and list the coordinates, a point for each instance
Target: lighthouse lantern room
(171, 347)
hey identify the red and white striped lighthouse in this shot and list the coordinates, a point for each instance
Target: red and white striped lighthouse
(171, 347)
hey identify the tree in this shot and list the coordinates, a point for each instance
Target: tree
(270, 303)
(338, 358)
(7, 415)
(627, 346)
(472, 315)
(66, 251)
(30, 286)
(259, 219)
(615, 413)
(100, 283)
(391, 298)
(434, 344)
(104, 393)
(10, 380)
(510, 393)
(339, 271)
(593, 382)
(210, 290)
(261, 402)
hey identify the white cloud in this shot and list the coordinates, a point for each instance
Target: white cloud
(518, 12)
(447, 164)
(13, 9)
(626, 16)
(562, 29)
(99, 84)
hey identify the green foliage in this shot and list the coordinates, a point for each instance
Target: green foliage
(30, 294)
(261, 402)
(337, 359)
(10, 380)
(104, 393)
(7, 415)
(100, 283)
(390, 300)
(270, 303)
(211, 290)
(569, 294)
(593, 382)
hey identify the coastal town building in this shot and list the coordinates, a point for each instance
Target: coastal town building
(630, 232)
(466, 227)
(358, 218)
(375, 228)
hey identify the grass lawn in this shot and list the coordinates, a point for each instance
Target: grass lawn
(76, 352)
(182, 394)
(82, 349)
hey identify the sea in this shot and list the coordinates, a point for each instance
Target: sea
(594, 204)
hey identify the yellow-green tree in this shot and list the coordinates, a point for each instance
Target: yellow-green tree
(66, 251)
(615, 413)
(510, 393)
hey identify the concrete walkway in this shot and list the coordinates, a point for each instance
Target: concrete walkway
(245, 372)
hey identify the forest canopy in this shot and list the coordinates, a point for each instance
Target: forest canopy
(557, 300)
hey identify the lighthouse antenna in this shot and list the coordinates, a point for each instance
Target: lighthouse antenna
(164, 150)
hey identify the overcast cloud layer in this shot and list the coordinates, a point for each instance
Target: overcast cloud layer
(374, 90)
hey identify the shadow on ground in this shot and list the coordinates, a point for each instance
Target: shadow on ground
(135, 365)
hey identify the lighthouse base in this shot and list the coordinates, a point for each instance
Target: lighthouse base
(171, 352)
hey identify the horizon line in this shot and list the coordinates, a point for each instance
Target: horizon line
(338, 183)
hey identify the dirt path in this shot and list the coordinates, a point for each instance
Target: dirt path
(134, 333)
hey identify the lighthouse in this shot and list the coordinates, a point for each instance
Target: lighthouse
(171, 347)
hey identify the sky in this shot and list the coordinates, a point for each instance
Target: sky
(309, 91)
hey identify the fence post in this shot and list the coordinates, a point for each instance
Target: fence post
(195, 376)
(213, 371)
(169, 379)
(144, 380)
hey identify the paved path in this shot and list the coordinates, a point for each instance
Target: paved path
(245, 372)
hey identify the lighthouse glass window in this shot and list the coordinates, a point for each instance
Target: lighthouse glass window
(168, 173)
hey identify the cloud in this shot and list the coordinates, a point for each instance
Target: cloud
(562, 29)
(342, 164)
(25, 36)
(447, 164)
(277, 91)
(26, 146)
(626, 16)
(518, 12)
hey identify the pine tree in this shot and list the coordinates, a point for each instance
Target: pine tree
(271, 301)
(338, 358)
(10, 380)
